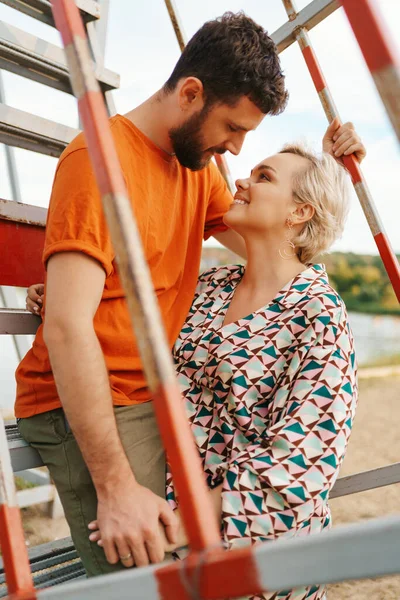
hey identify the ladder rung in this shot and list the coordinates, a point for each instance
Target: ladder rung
(51, 563)
(29, 214)
(24, 130)
(41, 9)
(309, 17)
(34, 58)
(23, 456)
(15, 321)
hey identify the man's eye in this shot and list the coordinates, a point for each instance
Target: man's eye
(232, 128)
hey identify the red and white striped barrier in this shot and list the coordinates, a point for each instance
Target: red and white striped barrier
(12, 541)
(196, 507)
(385, 249)
(379, 51)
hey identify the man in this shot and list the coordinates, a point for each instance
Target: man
(82, 399)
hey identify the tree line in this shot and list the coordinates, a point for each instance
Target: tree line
(360, 279)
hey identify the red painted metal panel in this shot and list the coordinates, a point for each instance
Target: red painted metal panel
(21, 248)
(214, 574)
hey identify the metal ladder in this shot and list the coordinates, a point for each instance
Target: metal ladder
(38, 60)
(354, 551)
(28, 56)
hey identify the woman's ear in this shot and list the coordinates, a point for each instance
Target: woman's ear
(302, 213)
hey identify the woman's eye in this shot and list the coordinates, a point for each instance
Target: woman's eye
(264, 176)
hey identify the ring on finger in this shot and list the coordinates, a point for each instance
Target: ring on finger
(127, 557)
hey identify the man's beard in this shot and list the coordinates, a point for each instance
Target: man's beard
(188, 142)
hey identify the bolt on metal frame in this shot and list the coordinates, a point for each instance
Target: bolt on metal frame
(361, 550)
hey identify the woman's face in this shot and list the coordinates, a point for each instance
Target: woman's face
(264, 201)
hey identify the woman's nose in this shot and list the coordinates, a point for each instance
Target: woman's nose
(241, 184)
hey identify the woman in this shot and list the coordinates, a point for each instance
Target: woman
(265, 359)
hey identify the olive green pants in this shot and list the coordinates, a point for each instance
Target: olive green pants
(50, 434)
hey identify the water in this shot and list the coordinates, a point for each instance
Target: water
(375, 336)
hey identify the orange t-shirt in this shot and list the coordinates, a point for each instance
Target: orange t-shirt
(175, 209)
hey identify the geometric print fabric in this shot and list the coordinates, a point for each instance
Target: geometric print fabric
(271, 401)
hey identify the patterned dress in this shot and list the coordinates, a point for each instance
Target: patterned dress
(271, 400)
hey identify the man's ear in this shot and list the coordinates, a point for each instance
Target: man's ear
(302, 213)
(191, 94)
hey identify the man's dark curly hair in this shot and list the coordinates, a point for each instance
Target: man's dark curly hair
(234, 57)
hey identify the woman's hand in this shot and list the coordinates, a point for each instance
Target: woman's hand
(342, 140)
(34, 299)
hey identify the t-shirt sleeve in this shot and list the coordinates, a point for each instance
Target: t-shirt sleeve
(219, 203)
(75, 219)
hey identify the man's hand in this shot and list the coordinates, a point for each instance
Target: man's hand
(136, 525)
(342, 140)
(180, 540)
(34, 299)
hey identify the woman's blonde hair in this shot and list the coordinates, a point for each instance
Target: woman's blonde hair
(323, 184)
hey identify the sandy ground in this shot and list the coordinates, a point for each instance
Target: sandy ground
(375, 442)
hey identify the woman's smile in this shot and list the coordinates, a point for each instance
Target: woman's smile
(238, 201)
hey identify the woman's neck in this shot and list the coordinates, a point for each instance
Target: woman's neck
(266, 269)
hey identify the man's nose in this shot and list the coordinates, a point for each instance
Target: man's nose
(235, 146)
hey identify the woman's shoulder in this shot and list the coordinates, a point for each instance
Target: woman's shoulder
(321, 302)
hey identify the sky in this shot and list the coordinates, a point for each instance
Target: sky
(142, 48)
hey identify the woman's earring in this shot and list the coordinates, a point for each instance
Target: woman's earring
(288, 250)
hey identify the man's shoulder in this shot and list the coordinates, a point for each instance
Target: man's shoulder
(78, 146)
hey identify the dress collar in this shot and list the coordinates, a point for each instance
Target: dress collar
(303, 285)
